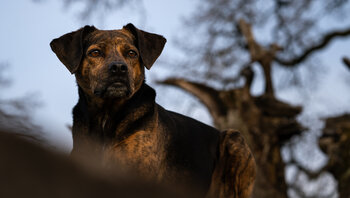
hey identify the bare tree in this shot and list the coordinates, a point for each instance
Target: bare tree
(223, 48)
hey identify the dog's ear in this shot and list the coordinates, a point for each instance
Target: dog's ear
(69, 47)
(150, 45)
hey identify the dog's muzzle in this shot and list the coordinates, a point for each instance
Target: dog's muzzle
(117, 85)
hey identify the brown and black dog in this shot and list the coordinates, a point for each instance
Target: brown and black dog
(117, 119)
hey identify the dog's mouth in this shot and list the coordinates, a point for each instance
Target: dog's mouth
(115, 89)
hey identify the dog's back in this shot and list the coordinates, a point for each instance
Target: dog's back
(192, 145)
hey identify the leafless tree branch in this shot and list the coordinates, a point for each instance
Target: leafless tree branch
(307, 52)
(207, 95)
(346, 61)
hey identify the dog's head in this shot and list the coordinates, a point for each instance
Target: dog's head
(108, 63)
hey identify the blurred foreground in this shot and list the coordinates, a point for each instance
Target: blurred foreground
(29, 170)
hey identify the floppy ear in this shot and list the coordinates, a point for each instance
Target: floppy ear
(69, 47)
(150, 45)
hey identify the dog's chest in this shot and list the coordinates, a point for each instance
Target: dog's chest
(131, 140)
(142, 151)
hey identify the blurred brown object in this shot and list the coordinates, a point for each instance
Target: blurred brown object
(335, 142)
(29, 170)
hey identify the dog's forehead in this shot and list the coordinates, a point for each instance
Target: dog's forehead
(106, 36)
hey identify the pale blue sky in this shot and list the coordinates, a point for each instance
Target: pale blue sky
(27, 29)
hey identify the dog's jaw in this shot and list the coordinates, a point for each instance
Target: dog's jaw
(117, 90)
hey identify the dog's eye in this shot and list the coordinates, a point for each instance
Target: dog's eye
(132, 53)
(94, 53)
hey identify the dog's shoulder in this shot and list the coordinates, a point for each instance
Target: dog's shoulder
(184, 123)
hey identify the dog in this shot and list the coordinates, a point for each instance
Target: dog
(117, 120)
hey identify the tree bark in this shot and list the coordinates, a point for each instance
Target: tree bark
(335, 142)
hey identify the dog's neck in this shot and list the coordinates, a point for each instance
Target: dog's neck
(115, 118)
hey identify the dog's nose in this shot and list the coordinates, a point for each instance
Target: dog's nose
(118, 67)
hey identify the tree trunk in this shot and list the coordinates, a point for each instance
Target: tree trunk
(335, 142)
(264, 122)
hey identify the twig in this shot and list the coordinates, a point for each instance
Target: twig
(325, 41)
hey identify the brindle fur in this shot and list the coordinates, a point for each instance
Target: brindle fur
(117, 120)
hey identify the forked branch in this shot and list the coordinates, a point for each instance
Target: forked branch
(207, 95)
(307, 52)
